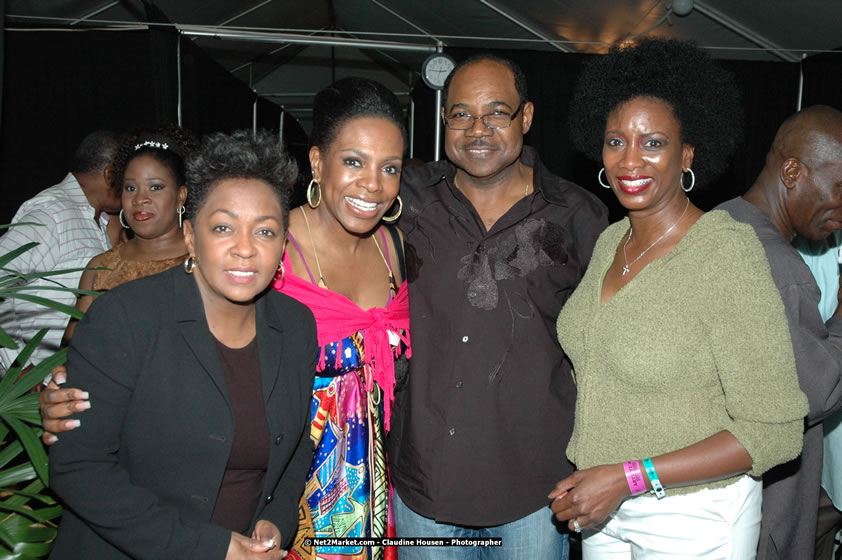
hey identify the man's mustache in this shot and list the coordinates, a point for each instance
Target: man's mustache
(478, 144)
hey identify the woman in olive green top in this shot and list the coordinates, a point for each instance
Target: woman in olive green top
(684, 368)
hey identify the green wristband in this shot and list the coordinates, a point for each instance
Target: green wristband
(657, 488)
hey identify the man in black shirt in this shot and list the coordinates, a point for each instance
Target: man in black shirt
(495, 244)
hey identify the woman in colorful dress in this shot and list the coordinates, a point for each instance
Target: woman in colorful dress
(346, 265)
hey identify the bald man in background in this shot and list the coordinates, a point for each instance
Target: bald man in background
(799, 192)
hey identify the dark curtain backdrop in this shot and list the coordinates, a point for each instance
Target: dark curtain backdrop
(769, 95)
(823, 80)
(58, 86)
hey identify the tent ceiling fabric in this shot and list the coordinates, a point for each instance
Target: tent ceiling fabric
(730, 29)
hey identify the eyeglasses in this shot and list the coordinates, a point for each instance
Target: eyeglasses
(495, 119)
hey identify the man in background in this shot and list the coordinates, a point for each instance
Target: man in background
(72, 230)
(799, 192)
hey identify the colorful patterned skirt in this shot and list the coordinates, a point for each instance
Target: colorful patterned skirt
(347, 492)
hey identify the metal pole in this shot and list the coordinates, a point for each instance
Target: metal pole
(254, 116)
(437, 144)
(178, 65)
(98, 11)
(406, 21)
(743, 31)
(411, 128)
(241, 14)
(553, 41)
(437, 150)
(800, 81)
(281, 128)
(267, 37)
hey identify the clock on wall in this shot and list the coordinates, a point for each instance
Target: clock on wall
(436, 69)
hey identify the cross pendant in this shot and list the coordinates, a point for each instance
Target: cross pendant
(625, 270)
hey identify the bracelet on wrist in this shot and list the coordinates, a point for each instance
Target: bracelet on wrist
(634, 477)
(657, 488)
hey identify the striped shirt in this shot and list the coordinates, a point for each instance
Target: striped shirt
(68, 238)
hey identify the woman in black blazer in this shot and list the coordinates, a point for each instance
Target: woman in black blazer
(200, 381)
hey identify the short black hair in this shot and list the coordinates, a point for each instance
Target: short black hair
(240, 155)
(520, 77)
(95, 152)
(169, 144)
(350, 98)
(703, 96)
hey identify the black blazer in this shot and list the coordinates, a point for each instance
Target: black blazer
(141, 476)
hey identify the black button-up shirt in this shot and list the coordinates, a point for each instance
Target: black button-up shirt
(479, 435)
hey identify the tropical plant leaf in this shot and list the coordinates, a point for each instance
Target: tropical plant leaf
(50, 513)
(9, 293)
(33, 515)
(5, 537)
(24, 408)
(30, 492)
(7, 341)
(18, 474)
(9, 452)
(32, 549)
(15, 253)
(31, 378)
(35, 533)
(55, 288)
(31, 444)
(22, 405)
(66, 309)
(22, 529)
(48, 273)
(22, 358)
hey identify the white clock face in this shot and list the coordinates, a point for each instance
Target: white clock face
(436, 70)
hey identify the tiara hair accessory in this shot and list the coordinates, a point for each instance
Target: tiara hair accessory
(151, 144)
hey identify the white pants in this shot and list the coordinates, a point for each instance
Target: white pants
(711, 524)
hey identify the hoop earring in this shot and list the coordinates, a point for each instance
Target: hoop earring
(692, 180)
(180, 211)
(281, 271)
(310, 194)
(189, 264)
(122, 221)
(599, 178)
(396, 215)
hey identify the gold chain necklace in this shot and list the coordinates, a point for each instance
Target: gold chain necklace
(392, 287)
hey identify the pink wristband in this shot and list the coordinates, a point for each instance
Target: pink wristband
(634, 477)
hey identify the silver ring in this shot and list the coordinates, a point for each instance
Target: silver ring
(576, 526)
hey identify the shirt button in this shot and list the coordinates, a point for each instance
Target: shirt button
(472, 294)
(464, 339)
(279, 439)
(268, 499)
(458, 384)
(452, 431)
